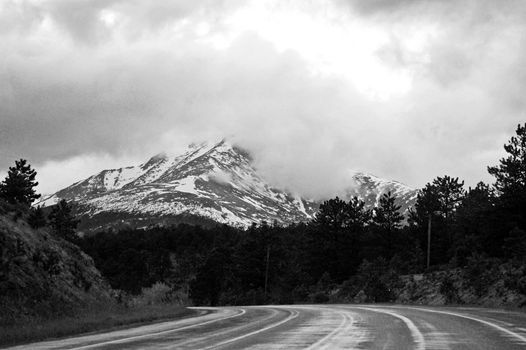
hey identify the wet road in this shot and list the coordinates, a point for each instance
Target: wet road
(318, 327)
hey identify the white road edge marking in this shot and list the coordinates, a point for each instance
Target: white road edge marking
(502, 329)
(292, 315)
(124, 340)
(415, 332)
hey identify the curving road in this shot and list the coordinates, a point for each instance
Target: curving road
(318, 327)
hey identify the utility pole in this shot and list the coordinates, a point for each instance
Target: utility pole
(429, 239)
(266, 269)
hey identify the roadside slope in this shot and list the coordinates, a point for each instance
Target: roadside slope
(42, 275)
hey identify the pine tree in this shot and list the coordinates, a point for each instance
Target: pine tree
(358, 216)
(435, 206)
(387, 215)
(427, 204)
(337, 214)
(388, 219)
(18, 186)
(474, 223)
(510, 176)
(450, 194)
(63, 222)
(332, 214)
(334, 245)
(36, 218)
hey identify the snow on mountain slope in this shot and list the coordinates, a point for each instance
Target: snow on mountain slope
(214, 181)
(370, 188)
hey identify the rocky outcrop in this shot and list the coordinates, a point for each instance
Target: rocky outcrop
(502, 285)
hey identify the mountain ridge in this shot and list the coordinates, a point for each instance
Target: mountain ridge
(214, 181)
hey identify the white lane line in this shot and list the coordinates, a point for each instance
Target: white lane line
(274, 312)
(293, 315)
(338, 329)
(124, 340)
(415, 332)
(437, 340)
(349, 336)
(487, 323)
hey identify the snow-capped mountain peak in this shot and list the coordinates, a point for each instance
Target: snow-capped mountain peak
(210, 181)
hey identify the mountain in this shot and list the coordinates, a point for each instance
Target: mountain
(370, 188)
(209, 183)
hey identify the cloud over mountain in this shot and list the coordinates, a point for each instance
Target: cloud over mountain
(403, 89)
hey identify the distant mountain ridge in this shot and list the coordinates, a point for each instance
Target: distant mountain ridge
(209, 183)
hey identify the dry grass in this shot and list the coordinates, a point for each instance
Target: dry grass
(103, 318)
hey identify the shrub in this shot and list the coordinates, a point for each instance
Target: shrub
(448, 290)
(377, 280)
(481, 272)
(515, 277)
(158, 293)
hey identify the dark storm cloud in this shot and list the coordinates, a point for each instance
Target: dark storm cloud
(69, 100)
(82, 18)
(470, 11)
(77, 88)
(388, 6)
(135, 101)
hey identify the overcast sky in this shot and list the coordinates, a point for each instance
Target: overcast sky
(404, 89)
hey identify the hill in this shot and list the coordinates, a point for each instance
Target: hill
(42, 275)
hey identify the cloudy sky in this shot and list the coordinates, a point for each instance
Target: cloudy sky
(404, 89)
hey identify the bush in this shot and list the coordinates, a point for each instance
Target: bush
(448, 290)
(319, 297)
(300, 293)
(377, 280)
(515, 277)
(159, 293)
(481, 272)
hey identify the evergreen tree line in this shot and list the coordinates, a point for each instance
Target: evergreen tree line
(17, 194)
(360, 250)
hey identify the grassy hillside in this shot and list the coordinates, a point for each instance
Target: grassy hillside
(42, 275)
(50, 288)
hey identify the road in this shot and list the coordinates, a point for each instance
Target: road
(318, 327)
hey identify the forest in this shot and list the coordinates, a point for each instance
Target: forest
(347, 251)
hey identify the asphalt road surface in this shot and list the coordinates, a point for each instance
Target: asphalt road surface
(318, 327)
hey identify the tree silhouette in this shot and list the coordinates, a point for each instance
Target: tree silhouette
(62, 221)
(337, 214)
(358, 216)
(510, 182)
(510, 174)
(37, 218)
(427, 203)
(332, 214)
(18, 186)
(450, 193)
(474, 224)
(387, 216)
(388, 219)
